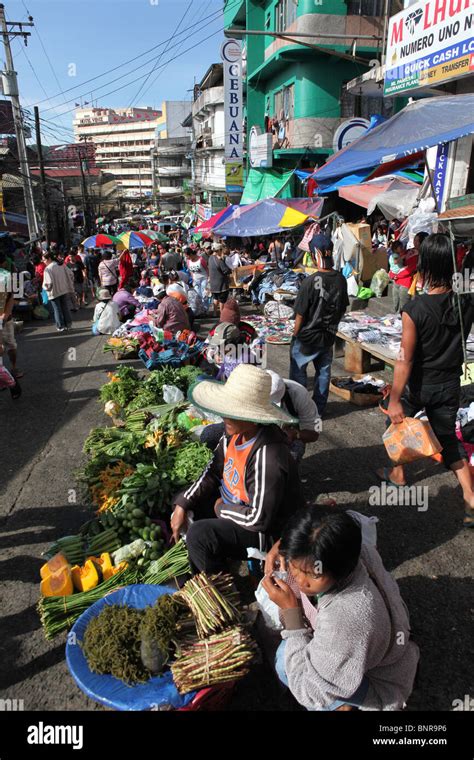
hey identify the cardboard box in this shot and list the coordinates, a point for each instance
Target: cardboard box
(369, 261)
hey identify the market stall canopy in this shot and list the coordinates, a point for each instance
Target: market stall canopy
(215, 219)
(394, 196)
(460, 220)
(135, 239)
(103, 241)
(269, 216)
(420, 125)
(266, 183)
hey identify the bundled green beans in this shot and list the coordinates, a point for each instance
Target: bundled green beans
(71, 546)
(106, 541)
(222, 657)
(211, 610)
(171, 565)
(58, 613)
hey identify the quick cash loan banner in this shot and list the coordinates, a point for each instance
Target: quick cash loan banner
(429, 43)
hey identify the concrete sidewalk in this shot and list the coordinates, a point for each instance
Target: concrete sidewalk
(41, 442)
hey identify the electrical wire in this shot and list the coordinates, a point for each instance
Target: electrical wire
(117, 89)
(158, 59)
(212, 16)
(137, 79)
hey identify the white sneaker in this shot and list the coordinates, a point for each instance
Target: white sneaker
(61, 329)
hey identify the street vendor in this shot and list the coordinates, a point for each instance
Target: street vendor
(244, 495)
(171, 315)
(292, 398)
(346, 631)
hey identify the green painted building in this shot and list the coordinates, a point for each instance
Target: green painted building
(295, 88)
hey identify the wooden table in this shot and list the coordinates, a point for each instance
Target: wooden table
(358, 357)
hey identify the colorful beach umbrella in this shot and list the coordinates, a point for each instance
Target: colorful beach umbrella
(102, 241)
(132, 239)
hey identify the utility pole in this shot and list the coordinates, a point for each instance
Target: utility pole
(84, 198)
(10, 88)
(44, 194)
(67, 237)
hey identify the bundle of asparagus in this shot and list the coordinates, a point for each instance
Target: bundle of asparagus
(212, 611)
(222, 657)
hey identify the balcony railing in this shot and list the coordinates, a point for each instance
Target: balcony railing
(207, 99)
(173, 171)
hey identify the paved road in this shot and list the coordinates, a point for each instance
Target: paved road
(41, 441)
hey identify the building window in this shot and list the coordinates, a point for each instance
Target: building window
(285, 103)
(373, 7)
(285, 14)
(362, 106)
(268, 20)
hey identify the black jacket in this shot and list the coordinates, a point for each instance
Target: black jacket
(271, 481)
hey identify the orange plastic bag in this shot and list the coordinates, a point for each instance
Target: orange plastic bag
(410, 440)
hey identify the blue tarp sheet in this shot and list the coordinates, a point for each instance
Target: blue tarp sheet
(158, 691)
(420, 125)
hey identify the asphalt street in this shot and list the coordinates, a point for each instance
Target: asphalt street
(429, 552)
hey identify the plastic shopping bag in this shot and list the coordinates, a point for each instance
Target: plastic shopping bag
(410, 440)
(172, 394)
(379, 282)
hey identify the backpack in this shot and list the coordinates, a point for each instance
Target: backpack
(321, 327)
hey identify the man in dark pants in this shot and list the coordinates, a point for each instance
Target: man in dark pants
(319, 306)
(251, 485)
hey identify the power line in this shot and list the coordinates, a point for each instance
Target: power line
(162, 71)
(215, 14)
(158, 59)
(137, 79)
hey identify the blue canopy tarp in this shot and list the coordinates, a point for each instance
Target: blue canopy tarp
(420, 125)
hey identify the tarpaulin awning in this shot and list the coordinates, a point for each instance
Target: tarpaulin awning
(210, 223)
(420, 125)
(269, 216)
(363, 193)
(266, 183)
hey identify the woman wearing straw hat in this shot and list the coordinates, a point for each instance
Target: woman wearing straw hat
(251, 485)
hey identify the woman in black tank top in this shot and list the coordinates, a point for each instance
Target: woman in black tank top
(427, 373)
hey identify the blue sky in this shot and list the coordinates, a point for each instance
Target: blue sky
(85, 38)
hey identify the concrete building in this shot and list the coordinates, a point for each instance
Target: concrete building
(208, 143)
(124, 138)
(295, 86)
(171, 158)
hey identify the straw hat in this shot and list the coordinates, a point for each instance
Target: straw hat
(245, 396)
(104, 294)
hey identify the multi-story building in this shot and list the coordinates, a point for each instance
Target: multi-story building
(124, 138)
(298, 62)
(171, 157)
(208, 142)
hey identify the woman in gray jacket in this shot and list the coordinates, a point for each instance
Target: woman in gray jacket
(346, 638)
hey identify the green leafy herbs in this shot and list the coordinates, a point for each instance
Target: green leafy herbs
(190, 460)
(124, 384)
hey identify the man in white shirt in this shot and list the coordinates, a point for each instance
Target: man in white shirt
(297, 401)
